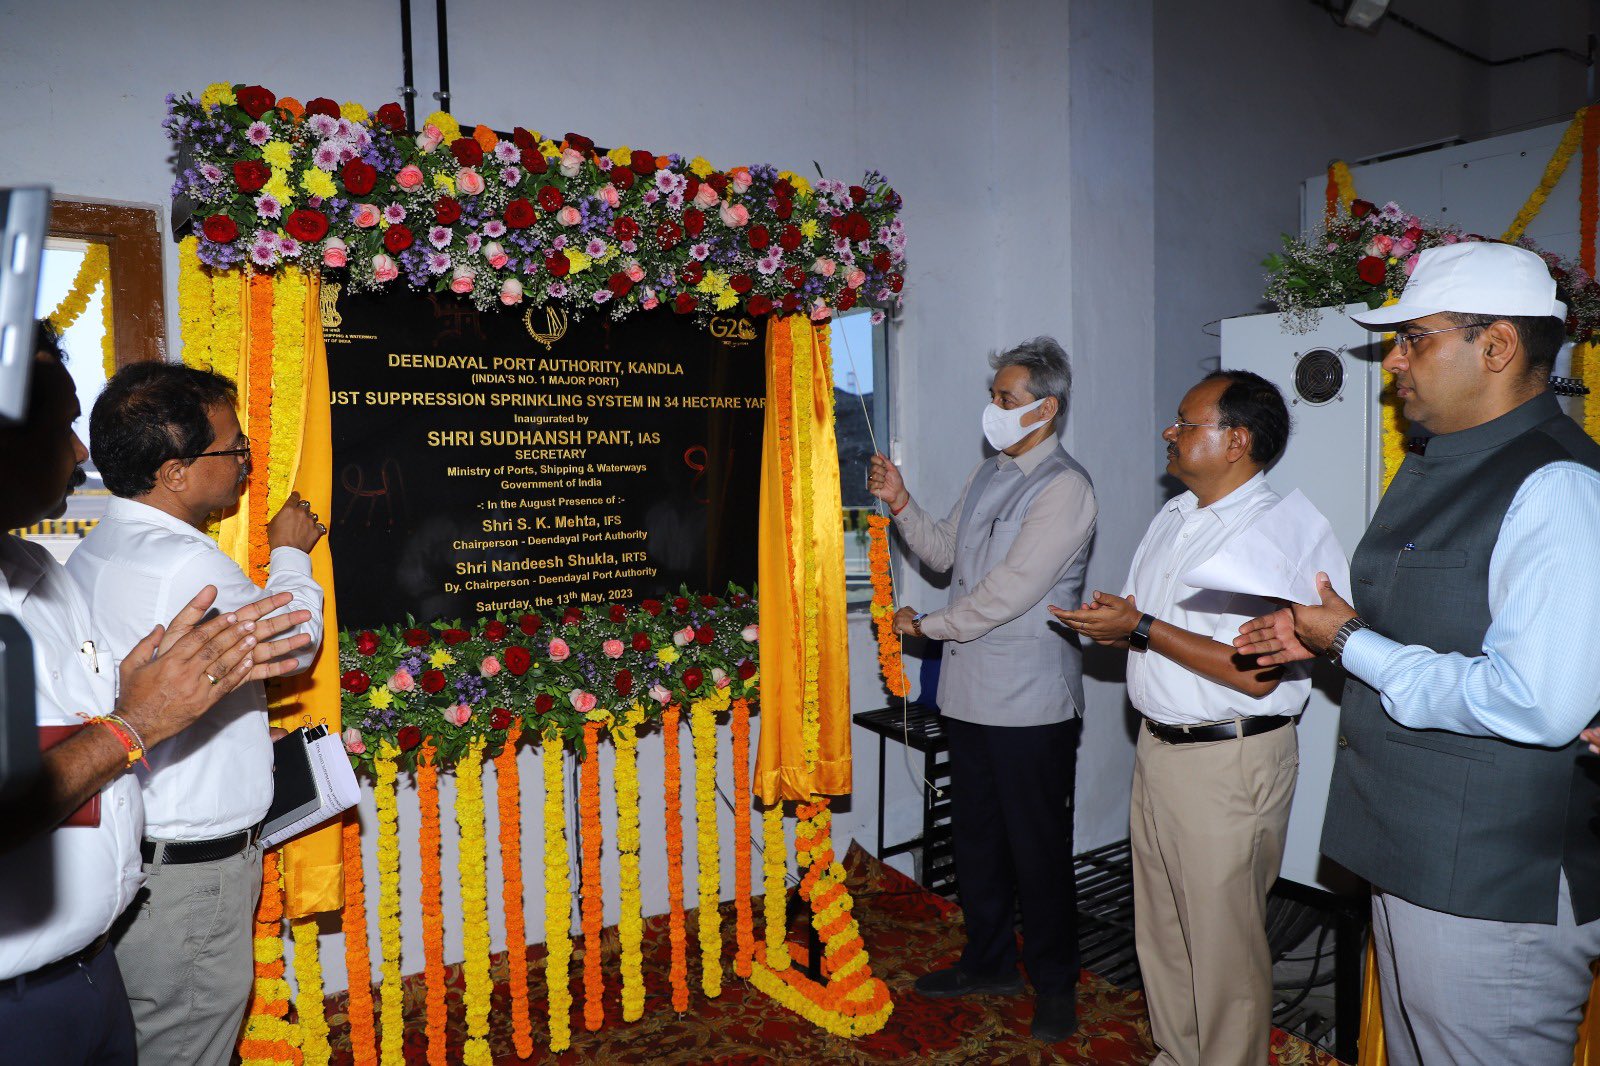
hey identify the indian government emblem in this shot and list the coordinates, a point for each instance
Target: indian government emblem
(329, 301)
(555, 320)
(733, 330)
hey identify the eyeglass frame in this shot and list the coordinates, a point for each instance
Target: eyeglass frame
(1406, 341)
(1178, 423)
(241, 452)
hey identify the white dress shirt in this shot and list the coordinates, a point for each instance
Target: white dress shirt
(138, 567)
(61, 890)
(1181, 536)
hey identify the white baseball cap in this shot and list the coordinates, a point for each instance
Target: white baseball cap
(1475, 278)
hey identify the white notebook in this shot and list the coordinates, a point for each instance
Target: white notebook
(312, 783)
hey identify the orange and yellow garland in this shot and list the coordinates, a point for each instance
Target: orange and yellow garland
(432, 902)
(774, 868)
(269, 1037)
(594, 1013)
(703, 730)
(357, 957)
(508, 797)
(308, 1006)
(1570, 141)
(890, 663)
(672, 787)
(557, 899)
(630, 923)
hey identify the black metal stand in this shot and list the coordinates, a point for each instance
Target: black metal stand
(1351, 915)
(920, 727)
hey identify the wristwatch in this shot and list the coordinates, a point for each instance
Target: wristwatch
(1139, 639)
(1341, 636)
(916, 622)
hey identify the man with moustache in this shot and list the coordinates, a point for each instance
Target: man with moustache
(69, 843)
(1461, 785)
(1216, 761)
(167, 442)
(1011, 685)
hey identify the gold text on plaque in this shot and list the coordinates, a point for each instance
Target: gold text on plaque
(555, 320)
(329, 302)
(734, 330)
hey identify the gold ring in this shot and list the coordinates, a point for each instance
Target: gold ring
(213, 680)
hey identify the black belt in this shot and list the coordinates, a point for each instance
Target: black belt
(183, 852)
(1195, 734)
(60, 968)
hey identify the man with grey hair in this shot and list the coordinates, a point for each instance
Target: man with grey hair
(1011, 684)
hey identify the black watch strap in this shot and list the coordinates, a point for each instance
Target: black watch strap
(1139, 639)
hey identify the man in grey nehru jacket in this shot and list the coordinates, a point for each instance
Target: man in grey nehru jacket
(1461, 789)
(1011, 683)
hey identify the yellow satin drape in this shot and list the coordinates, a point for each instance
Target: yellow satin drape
(781, 770)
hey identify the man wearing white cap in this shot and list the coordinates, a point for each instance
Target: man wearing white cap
(1461, 789)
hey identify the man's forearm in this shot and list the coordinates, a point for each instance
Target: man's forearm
(1212, 659)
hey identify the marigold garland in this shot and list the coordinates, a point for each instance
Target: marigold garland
(594, 987)
(743, 922)
(1584, 356)
(1570, 141)
(775, 868)
(1393, 425)
(269, 1037)
(258, 422)
(108, 333)
(630, 923)
(782, 401)
(890, 663)
(1341, 189)
(308, 1007)
(92, 274)
(508, 797)
(194, 305)
(384, 794)
(708, 857)
(557, 899)
(432, 902)
(227, 324)
(672, 787)
(804, 399)
(286, 416)
(357, 956)
(473, 867)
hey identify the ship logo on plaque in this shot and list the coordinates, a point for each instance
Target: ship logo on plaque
(328, 300)
(555, 320)
(732, 330)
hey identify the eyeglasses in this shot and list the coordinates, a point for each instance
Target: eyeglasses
(1178, 423)
(241, 452)
(1406, 340)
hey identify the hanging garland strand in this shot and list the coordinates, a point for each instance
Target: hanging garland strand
(775, 866)
(432, 903)
(672, 786)
(743, 921)
(357, 956)
(557, 899)
(890, 662)
(703, 729)
(630, 923)
(93, 274)
(308, 1007)
(1570, 141)
(194, 305)
(508, 796)
(594, 1012)
(473, 868)
(269, 1037)
(385, 798)
(1586, 356)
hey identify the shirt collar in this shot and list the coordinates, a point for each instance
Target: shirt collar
(20, 569)
(1029, 460)
(1226, 509)
(126, 510)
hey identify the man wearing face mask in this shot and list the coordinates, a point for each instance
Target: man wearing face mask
(1011, 684)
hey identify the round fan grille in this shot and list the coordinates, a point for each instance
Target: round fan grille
(1318, 376)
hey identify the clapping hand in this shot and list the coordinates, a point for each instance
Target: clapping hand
(1106, 620)
(1296, 632)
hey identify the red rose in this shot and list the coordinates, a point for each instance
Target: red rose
(251, 174)
(579, 142)
(447, 210)
(880, 262)
(221, 229)
(758, 305)
(432, 681)
(708, 601)
(255, 100)
(359, 177)
(621, 177)
(896, 282)
(550, 198)
(530, 623)
(367, 642)
(393, 116)
(719, 182)
(643, 162)
(543, 703)
(307, 225)
(692, 678)
(641, 642)
(856, 226)
(624, 682)
(355, 681)
(794, 276)
(783, 188)
(397, 238)
(679, 605)
(691, 186)
(791, 302)
(858, 194)
(705, 635)
(519, 213)
(495, 632)
(534, 162)
(558, 265)
(694, 220)
(740, 283)
(499, 718)
(522, 138)
(416, 638)
(693, 271)
(758, 237)
(846, 300)
(408, 737)
(684, 304)
(619, 284)
(572, 616)
(518, 659)
(617, 612)
(746, 669)
(738, 599)
(1372, 269)
(668, 234)
(783, 208)
(468, 152)
(322, 106)
(651, 608)
(625, 228)
(790, 238)
(453, 637)
(1361, 208)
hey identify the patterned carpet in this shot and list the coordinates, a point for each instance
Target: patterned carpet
(908, 932)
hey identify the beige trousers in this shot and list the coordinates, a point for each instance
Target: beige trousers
(1207, 828)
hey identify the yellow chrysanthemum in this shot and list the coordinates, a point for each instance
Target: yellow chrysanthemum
(669, 654)
(445, 182)
(278, 188)
(278, 155)
(802, 187)
(353, 111)
(441, 659)
(218, 92)
(621, 155)
(700, 168)
(727, 299)
(808, 228)
(548, 148)
(380, 698)
(714, 282)
(580, 262)
(318, 183)
(445, 124)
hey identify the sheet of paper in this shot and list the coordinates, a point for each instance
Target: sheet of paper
(1279, 556)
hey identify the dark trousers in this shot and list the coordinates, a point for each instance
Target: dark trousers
(78, 1014)
(1011, 804)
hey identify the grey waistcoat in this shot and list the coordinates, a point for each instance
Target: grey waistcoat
(1471, 826)
(1028, 671)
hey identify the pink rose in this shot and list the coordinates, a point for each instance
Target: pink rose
(569, 216)
(402, 681)
(856, 278)
(1402, 248)
(462, 279)
(683, 637)
(820, 310)
(612, 649)
(496, 254)
(384, 268)
(582, 702)
(1411, 264)
(660, 694)
(571, 162)
(1380, 246)
(510, 292)
(751, 633)
(353, 742)
(333, 252)
(734, 215)
(719, 677)
(430, 138)
(410, 175)
(635, 272)
(741, 179)
(460, 714)
(825, 267)
(469, 182)
(367, 216)
(489, 667)
(610, 195)
(650, 303)
(559, 650)
(705, 197)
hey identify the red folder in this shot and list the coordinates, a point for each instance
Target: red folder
(89, 814)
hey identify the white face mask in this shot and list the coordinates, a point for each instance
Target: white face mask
(1004, 428)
